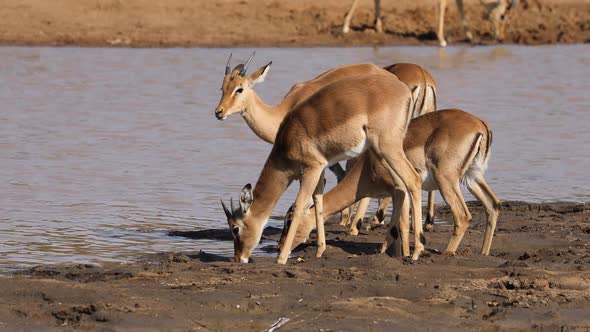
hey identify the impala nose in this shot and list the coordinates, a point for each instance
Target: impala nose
(219, 113)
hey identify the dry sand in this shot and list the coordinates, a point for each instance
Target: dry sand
(537, 278)
(149, 23)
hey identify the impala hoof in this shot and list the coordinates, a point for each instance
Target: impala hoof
(320, 251)
(282, 260)
(383, 247)
(417, 253)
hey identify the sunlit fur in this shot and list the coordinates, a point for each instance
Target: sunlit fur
(264, 120)
(453, 146)
(333, 120)
(234, 101)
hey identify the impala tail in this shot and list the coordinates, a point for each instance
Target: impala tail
(476, 162)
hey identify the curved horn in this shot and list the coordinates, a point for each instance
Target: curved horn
(228, 213)
(231, 203)
(243, 72)
(227, 65)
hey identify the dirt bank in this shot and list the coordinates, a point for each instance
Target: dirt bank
(538, 276)
(144, 23)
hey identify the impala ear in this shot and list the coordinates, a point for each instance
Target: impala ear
(259, 75)
(246, 198)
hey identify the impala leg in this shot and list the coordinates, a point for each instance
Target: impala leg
(397, 239)
(429, 225)
(442, 6)
(345, 216)
(360, 214)
(338, 172)
(492, 208)
(378, 23)
(484, 185)
(405, 177)
(497, 18)
(464, 21)
(379, 217)
(318, 201)
(347, 212)
(308, 184)
(498, 12)
(451, 193)
(404, 222)
(346, 26)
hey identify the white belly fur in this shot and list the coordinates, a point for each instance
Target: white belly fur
(428, 183)
(354, 152)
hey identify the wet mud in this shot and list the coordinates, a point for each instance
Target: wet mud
(537, 277)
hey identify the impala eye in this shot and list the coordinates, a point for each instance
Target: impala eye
(236, 230)
(239, 90)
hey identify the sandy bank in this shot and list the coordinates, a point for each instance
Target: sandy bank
(143, 23)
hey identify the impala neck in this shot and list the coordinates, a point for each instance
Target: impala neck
(272, 183)
(264, 119)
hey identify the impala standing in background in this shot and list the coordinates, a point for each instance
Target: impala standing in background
(497, 10)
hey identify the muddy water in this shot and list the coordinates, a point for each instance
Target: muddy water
(104, 151)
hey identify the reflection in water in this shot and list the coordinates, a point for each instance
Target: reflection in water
(106, 150)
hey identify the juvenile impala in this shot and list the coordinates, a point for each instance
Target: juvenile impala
(338, 122)
(497, 10)
(447, 148)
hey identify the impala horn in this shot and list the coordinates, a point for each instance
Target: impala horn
(228, 213)
(227, 69)
(243, 72)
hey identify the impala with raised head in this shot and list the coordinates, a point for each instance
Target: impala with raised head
(447, 148)
(496, 10)
(338, 122)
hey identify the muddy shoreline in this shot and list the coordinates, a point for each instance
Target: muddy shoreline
(538, 276)
(232, 23)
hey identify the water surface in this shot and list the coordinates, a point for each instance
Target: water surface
(103, 151)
